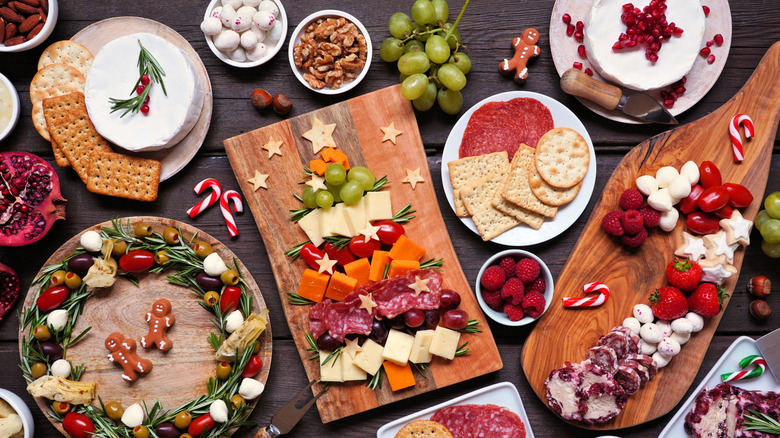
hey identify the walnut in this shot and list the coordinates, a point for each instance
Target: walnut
(327, 53)
(313, 82)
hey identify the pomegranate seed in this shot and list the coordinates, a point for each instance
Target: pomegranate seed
(569, 30)
(631, 43)
(566, 18)
(664, 94)
(672, 95)
(654, 58)
(145, 109)
(146, 100)
(677, 31)
(581, 51)
(628, 7)
(718, 39)
(706, 10)
(580, 26)
(140, 88)
(578, 36)
(577, 65)
(684, 79)
(679, 90)
(668, 103)
(589, 72)
(704, 52)
(710, 59)
(145, 79)
(709, 43)
(616, 47)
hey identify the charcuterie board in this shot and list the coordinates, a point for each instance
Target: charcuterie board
(565, 335)
(358, 135)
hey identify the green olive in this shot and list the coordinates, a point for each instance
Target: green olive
(210, 298)
(202, 249)
(39, 369)
(182, 420)
(41, 333)
(256, 349)
(120, 248)
(162, 257)
(171, 235)
(185, 435)
(229, 277)
(58, 278)
(114, 410)
(72, 280)
(237, 401)
(140, 431)
(61, 407)
(223, 370)
(142, 229)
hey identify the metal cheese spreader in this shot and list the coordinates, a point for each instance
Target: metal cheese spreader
(769, 346)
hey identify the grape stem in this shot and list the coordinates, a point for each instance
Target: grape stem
(457, 21)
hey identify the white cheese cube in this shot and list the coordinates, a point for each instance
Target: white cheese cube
(422, 343)
(333, 371)
(339, 225)
(356, 218)
(378, 206)
(398, 347)
(444, 343)
(310, 224)
(350, 370)
(370, 358)
(326, 221)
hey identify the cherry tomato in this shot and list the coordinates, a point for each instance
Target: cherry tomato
(229, 299)
(724, 213)
(252, 367)
(342, 256)
(361, 248)
(389, 231)
(709, 175)
(688, 205)
(78, 425)
(310, 254)
(52, 298)
(739, 195)
(713, 198)
(200, 425)
(702, 223)
(137, 260)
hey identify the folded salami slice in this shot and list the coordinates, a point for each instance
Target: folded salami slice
(488, 421)
(340, 318)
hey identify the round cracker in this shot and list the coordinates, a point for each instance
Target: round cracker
(548, 194)
(50, 81)
(424, 429)
(562, 157)
(67, 52)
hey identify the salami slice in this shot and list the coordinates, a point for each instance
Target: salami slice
(628, 378)
(604, 357)
(458, 419)
(498, 422)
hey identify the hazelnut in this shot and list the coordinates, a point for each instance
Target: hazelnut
(261, 99)
(759, 286)
(282, 104)
(760, 309)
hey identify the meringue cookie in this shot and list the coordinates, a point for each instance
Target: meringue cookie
(696, 320)
(632, 324)
(660, 361)
(643, 313)
(669, 347)
(651, 333)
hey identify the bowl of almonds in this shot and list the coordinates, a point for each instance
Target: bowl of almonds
(25, 24)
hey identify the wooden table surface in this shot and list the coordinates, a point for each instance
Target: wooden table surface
(487, 28)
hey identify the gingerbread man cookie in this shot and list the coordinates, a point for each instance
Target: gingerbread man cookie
(160, 320)
(525, 49)
(123, 352)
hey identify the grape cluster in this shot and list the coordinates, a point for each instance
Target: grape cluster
(768, 224)
(342, 186)
(426, 48)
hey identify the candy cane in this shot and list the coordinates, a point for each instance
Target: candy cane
(216, 191)
(736, 140)
(590, 301)
(238, 207)
(749, 374)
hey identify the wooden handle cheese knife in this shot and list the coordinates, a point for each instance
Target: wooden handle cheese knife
(288, 416)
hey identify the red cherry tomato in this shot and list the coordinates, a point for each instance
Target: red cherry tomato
(252, 367)
(702, 223)
(200, 425)
(229, 299)
(78, 425)
(342, 256)
(389, 231)
(709, 175)
(361, 248)
(713, 198)
(724, 213)
(688, 205)
(52, 298)
(739, 195)
(310, 254)
(137, 260)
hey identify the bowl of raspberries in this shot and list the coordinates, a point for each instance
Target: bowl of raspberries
(514, 287)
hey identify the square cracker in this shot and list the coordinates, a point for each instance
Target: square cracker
(123, 176)
(65, 78)
(460, 207)
(534, 220)
(477, 197)
(59, 157)
(516, 188)
(468, 169)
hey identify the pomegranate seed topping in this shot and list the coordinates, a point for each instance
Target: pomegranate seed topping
(140, 88)
(631, 43)
(710, 59)
(581, 51)
(684, 79)
(668, 103)
(664, 94)
(146, 100)
(580, 26)
(706, 10)
(672, 95)
(704, 52)
(718, 39)
(616, 47)
(577, 65)
(589, 72)
(622, 37)
(145, 79)
(145, 109)
(628, 7)
(578, 36)
(709, 43)
(654, 58)
(679, 90)
(569, 30)
(566, 18)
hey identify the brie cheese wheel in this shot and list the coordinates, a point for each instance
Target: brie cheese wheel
(114, 73)
(628, 66)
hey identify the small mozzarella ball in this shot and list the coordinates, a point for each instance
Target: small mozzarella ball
(661, 200)
(665, 175)
(681, 338)
(246, 11)
(264, 20)
(211, 26)
(680, 187)
(133, 416)
(60, 368)
(238, 55)
(691, 171)
(643, 313)
(252, 3)
(248, 40)
(241, 23)
(632, 324)
(57, 319)
(233, 321)
(260, 34)
(250, 389)
(257, 53)
(91, 241)
(660, 361)
(651, 333)
(696, 320)
(665, 326)
(218, 411)
(669, 219)
(668, 347)
(213, 265)
(227, 15)
(268, 5)
(276, 32)
(647, 348)
(682, 325)
(235, 4)
(215, 12)
(646, 184)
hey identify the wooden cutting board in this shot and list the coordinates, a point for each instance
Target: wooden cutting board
(358, 135)
(565, 334)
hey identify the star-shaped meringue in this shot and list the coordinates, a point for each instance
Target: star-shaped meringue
(717, 273)
(326, 265)
(369, 232)
(413, 177)
(692, 247)
(316, 182)
(390, 132)
(737, 229)
(320, 135)
(367, 302)
(716, 245)
(258, 180)
(420, 285)
(273, 148)
(352, 348)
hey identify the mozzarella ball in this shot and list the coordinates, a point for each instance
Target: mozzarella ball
(691, 171)
(680, 187)
(233, 321)
(252, 3)
(661, 200)
(669, 219)
(660, 360)
(260, 34)
(268, 5)
(632, 324)
(133, 416)
(257, 53)
(276, 32)
(60, 368)
(665, 326)
(696, 320)
(213, 265)
(665, 175)
(248, 40)
(646, 184)
(643, 313)
(215, 12)
(264, 20)
(91, 241)
(647, 348)
(240, 23)
(250, 389)
(681, 338)
(226, 15)
(218, 411)
(57, 319)
(682, 325)
(211, 26)
(235, 4)
(668, 347)
(651, 333)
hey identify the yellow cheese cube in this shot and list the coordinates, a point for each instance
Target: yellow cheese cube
(355, 216)
(422, 342)
(378, 205)
(350, 370)
(310, 224)
(398, 346)
(339, 225)
(370, 358)
(444, 343)
(331, 371)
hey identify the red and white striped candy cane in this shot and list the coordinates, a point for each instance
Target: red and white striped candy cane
(216, 191)
(736, 140)
(238, 207)
(589, 301)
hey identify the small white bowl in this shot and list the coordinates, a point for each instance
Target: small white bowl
(48, 28)
(21, 408)
(295, 38)
(5, 132)
(272, 51)
(501, 317)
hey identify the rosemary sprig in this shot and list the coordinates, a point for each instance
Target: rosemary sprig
(376, 381)
(762, 422)
(335, 355)
(387, 269)
(76, 371)
(471, 327)
(215, 340)
(462, 349)
(295, 251)
(297, 300)
(338, 241)
(147, 65)
(315, 352)
(299, 213)
(404, 215)
(431, 263)
(420, 367)
(381, 182)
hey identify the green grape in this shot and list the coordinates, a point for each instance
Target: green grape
(324, 199)
(441, 9)
(335, 190)
(309, 199)
(414, 46)
(351, 192)
(362, 175)
(400, 25)
(450, 101)
(335, 174)
(391, 49)
(454, 39)
(426, 101)
(451, 77)
(771, 231)
(761, 218)
(772, 205)
(437, 49)
(423, 12)
(462, 61)
(414, 86)
(415, 62)
(419, 28)
(771, 249)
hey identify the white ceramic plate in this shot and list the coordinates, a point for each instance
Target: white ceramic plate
(729, 362)
(501, 394)
(523, 235)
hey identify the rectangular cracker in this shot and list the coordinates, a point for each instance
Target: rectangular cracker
(59, 157)
(477, 197)
(123, 176)
(516, 188)
(468, 169)
(533, 220)
(460, 207)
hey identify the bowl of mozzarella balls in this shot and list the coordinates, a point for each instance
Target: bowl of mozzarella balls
(245, 33)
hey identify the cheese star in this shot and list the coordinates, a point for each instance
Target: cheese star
(320, 135)
(716, 245)
(258, 180)
(419, 285)
(316, 182)
(413, 177)
(352, 348)
(273, 148)
(326, 265)
(692, 247)
(737, 228)
(367, 302)
(390, 133)
(369, 232)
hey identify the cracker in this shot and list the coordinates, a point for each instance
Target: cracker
(468, 169)
(51, 76)
(516, 188)
(424, 429)
(67, 52)
(477, 197)
(533, 220)
(460, 208)
(562, 157)
(548, 194)
(123, 176)
(59, 157)
(37, 97)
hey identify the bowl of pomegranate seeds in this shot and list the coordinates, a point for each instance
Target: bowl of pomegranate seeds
(514, 287)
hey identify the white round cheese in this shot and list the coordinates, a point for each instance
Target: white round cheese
(628, 67)
(114, 73)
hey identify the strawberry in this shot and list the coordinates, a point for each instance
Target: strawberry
(707, 300)
(668, 303)
(684, 274)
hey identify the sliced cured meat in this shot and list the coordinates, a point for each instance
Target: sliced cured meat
(719, 412)
(644, 374)
(458, 419)
(393, 296)
(628, 378)
(602, 402)
(563, 391)
(618, 341)
(646, 361)
(340, 318)
(316, 318)
(604, 357)
(498, 422)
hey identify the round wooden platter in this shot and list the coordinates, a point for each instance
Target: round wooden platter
(179, 375)
(97, 35)
(699, 80)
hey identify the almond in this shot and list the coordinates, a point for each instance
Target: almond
(45, 5)
(29, 23)
(10, 30)
(2, 30)
(35, 31)
(15, 41)
(9, 15)
(42, 14)
(35, 3)
(25, 8)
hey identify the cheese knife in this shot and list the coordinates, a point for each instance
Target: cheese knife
(288, 416)
(638, 105)
(769, 346)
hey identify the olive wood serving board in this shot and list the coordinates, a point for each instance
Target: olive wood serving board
(179, 375)
(566, 334)
(358, 135)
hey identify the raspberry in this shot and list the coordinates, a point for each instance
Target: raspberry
(632, 222)
(538, 285)
(512, 291)
(636, 239)
(493, 299)
(493, 278)
(651, 216)
(527, 270)
(611, 222)
(533, 304)
(631, 199)
(508, 263)
(514, 312)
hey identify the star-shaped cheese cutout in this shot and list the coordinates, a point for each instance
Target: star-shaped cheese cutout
(316, 182)
(352, 348)
(413, 177)
(737, 229)
(367, 302)
(419, 285)
(258, 180)
(273, 148)
(390, 132)
(716, 245)
(320, 135)
(369, 232)
(717, 274)
(692, 247)
(326, 265)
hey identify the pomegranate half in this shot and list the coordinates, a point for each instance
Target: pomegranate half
(9, 289)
